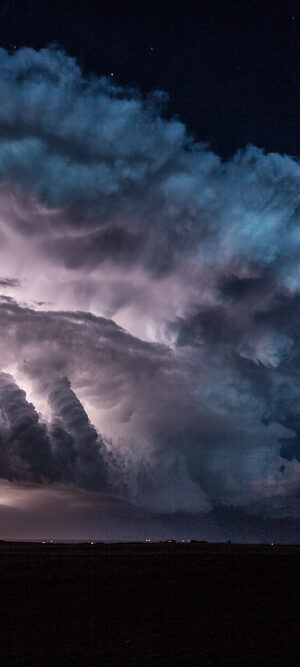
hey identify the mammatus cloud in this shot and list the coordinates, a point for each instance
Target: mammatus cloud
(151, 301)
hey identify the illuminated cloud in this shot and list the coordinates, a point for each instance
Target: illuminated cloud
(150, 301)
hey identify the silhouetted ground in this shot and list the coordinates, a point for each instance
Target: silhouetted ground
(149, 604)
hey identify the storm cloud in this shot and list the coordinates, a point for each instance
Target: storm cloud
(149, 318)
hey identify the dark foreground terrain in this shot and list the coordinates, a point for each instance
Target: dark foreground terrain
(149, 604)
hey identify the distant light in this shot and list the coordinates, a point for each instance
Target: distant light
(51, 541)
(112, 74)
(43, 542)
(92, 542)
(147, 540)
(182, 540)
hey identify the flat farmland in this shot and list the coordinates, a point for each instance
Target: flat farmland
(149, 604)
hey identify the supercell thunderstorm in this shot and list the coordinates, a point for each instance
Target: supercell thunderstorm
(150, 301)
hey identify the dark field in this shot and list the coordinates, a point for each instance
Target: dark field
(149, 604)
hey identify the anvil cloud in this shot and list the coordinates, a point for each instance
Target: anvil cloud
(150, 302)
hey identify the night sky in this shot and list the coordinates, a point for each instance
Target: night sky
(150, 270)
